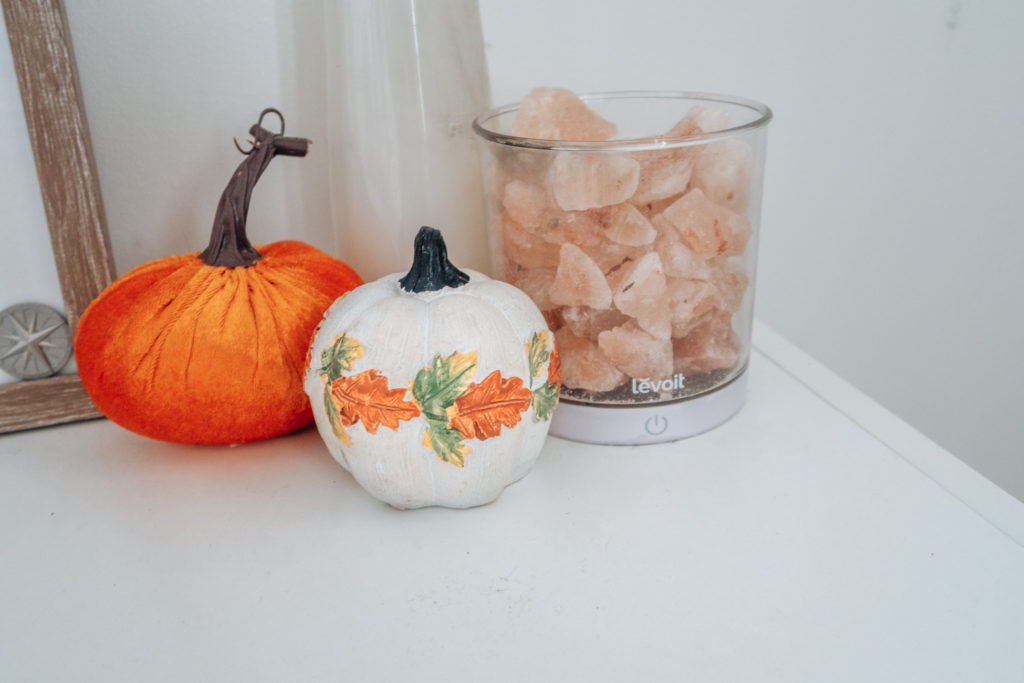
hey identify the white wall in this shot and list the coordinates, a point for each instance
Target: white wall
(891, 236)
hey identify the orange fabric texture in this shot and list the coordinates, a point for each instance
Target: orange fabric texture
(181, 351)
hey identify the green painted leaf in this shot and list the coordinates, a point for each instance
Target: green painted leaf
(334, 416)
(437, 386)
(446, 442)
(538, 352)
(339, 357)
(435, 390)
(545, 399)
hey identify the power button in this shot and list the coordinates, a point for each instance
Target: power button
(656, 425)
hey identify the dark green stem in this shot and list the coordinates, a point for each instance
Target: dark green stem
(431, 270)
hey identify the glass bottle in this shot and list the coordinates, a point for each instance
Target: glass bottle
(404, 81)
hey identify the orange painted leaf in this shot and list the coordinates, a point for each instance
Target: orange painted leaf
(555, 368)
(366, 397)
(488, 406)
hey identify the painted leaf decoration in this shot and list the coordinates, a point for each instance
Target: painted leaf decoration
(486, 407)
(334, 418)
(437, 386)
(446, 442)
(544, 400)
(537, 350)
(339, 357)
(435, 390)
(555, 368)
(366, 397)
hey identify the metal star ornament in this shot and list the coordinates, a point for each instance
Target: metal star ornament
(35, 341)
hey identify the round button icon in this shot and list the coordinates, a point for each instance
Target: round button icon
(656, 425)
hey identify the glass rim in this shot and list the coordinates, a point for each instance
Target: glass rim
(627, 144)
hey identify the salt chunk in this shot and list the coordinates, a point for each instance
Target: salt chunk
(730, 284)
(708, 229)
(588, 323)
(578, 227)
(701, 118)
(526, 204)
(635, 352)
(611, 255)
(724, 172)
(711, 345)
(655, 208)
(623, 223)
(668, 172)
(663, 173)
(677, 259)
(587, 180)
(558, 114)
(553, 318)
(579, 281)
(536, 283)
(640, 292)
(519, 162)
(690, 304)
(524, 248)
(722, 169)
(584, 366)
(739, 230)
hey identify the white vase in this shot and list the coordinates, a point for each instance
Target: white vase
(404, 81)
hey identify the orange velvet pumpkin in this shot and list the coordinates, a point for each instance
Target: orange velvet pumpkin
(211, 347)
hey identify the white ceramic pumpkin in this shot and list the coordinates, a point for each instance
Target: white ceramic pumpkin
(436, 387)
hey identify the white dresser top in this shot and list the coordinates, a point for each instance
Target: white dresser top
(813, 537)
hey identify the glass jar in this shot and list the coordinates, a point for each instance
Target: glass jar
(640, 251)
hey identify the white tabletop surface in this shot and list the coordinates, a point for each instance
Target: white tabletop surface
(813, 537)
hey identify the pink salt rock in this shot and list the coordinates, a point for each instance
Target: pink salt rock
(740, 230)
(536, 283)
(526, 204)
(635, 352)
(624, 224)
(677, 259)
(523, 248)
(610, 256)
(690, 304)
(558, 114)
(640, 292)
(553, 318)
(663, 173)
(655, 208)
(518, 163)
(584, 366)
(711, 345)
(578, 227)
(708, 229)
(730, 284)
(588, 323)
(701, 118)
(724, 172)
(578, 280)
(588, 180)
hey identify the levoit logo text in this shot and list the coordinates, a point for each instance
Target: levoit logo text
(645, 385)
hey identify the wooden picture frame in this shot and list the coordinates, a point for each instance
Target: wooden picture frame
(52, 98)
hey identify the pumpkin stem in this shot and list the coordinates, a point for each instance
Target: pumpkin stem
(431, 270)
(229, 245)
